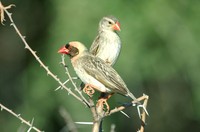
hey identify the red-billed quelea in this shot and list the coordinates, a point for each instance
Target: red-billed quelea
(94, 72)
(107, 44)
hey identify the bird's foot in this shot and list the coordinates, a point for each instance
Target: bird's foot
(88, 90)
(103, 102)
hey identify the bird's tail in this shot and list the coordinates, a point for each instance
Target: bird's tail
(134, 98)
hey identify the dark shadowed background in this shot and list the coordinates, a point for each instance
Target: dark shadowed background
(160, 57)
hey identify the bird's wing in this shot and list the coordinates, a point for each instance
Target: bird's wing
(94, 49)
(105, 74)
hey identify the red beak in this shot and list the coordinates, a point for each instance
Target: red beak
(63, 50)
(116, 26)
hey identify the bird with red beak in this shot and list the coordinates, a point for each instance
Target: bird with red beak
(94, 72)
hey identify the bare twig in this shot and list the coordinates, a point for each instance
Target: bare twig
(67, 72)
(20, 118)
(60, 87)
(2, 8)
(38, 59)
(120, 108)
(143, 115)
(71, 79)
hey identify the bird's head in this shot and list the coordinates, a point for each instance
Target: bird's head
(73, 49)
(109, 23)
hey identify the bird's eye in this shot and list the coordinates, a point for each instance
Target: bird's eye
(109, 22)
(67, 45)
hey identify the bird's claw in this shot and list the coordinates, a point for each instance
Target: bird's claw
(88, 90)
(103, 102)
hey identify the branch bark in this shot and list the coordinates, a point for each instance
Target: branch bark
(20, 118)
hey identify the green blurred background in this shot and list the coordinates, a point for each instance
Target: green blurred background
(160, 57)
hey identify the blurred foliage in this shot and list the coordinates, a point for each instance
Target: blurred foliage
(160, 57)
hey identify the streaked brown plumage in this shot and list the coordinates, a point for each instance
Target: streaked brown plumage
(94, 71)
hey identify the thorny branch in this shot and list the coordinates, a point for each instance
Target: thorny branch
(20, 118)
(36, 57)
(143, 116)
(120, 108)
(2, 9)
(99, 113)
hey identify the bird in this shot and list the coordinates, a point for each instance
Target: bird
(107, 40)
(94, 72)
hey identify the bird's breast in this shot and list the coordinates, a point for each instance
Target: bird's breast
(110, 48)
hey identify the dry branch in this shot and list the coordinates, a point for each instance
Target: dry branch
(18, 116)
(143, 115)
(36, 57)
